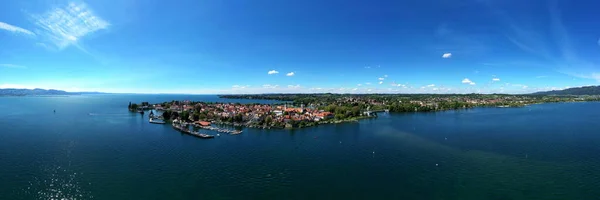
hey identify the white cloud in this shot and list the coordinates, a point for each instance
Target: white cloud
(432, 85)
(269, 86)
(66, 26)
(354, 89)
(385, 76)
(13, 66)
(359, 85)
(290, 74)
(240, 86)
(368, 83)
(293, 86)
(467, 81)
(272, 72)
(495, 79)
(15, 29)
(447, 55)
(380, 82)
(368, 67)
(381, 79)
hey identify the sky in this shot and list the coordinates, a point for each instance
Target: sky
(309, 46)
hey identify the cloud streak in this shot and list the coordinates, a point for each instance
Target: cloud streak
(272, 72)
(15, 29)
(66, 26)
(13, 66)
(447, 55)
(290, 74)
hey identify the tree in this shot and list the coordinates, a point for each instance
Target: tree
(238, 118)
(268, 120)
(185, 115)
(166, 115)
(174, 115)
(196, 116)
(133, 106)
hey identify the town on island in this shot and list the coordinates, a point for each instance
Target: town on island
(306, 110)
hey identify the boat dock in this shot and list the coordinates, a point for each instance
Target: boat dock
(220, 130)
(183, 129)
(152, 121)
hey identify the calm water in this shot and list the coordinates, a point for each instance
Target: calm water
(538, 152)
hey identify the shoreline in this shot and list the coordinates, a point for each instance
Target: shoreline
(330, 110)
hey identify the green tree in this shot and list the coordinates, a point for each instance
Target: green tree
(167, 115)
(196, 116)
(268, 120)
(134, 106)
(238, 118)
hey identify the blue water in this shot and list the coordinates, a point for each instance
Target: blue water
(547, 151)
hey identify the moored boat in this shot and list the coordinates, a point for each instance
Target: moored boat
(156, 122)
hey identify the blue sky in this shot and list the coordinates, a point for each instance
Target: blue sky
(257, 46)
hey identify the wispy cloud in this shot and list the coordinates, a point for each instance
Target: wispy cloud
(272, 72)
(467, 81)
(68, 25)
(13, 66)
(495, 79)
(431, 85)
(541, 76)
(290, 74)
(293, 86)
(269, 86)
(15, 29)
(381, 79)
(240, 86)
(380, 82)
(447, 55)
(368, 83)
(541, 42)
(359, 85)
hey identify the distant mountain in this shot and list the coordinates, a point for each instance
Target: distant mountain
(587, 90)
(37, 91)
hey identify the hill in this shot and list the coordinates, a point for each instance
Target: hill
(37, 91)
(587, 90)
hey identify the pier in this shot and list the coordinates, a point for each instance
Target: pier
(220, 130)
(183, 129)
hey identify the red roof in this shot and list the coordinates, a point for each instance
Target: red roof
(203, 123)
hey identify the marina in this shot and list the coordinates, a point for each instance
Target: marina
(183, 129)
(220, 130)
(152, 121)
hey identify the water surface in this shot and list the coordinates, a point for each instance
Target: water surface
(546, 151)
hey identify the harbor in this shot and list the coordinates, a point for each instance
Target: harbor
(217, 129)
(184, 129)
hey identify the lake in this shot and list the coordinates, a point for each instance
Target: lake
(93, 148)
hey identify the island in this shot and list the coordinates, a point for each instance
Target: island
(305, 110)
